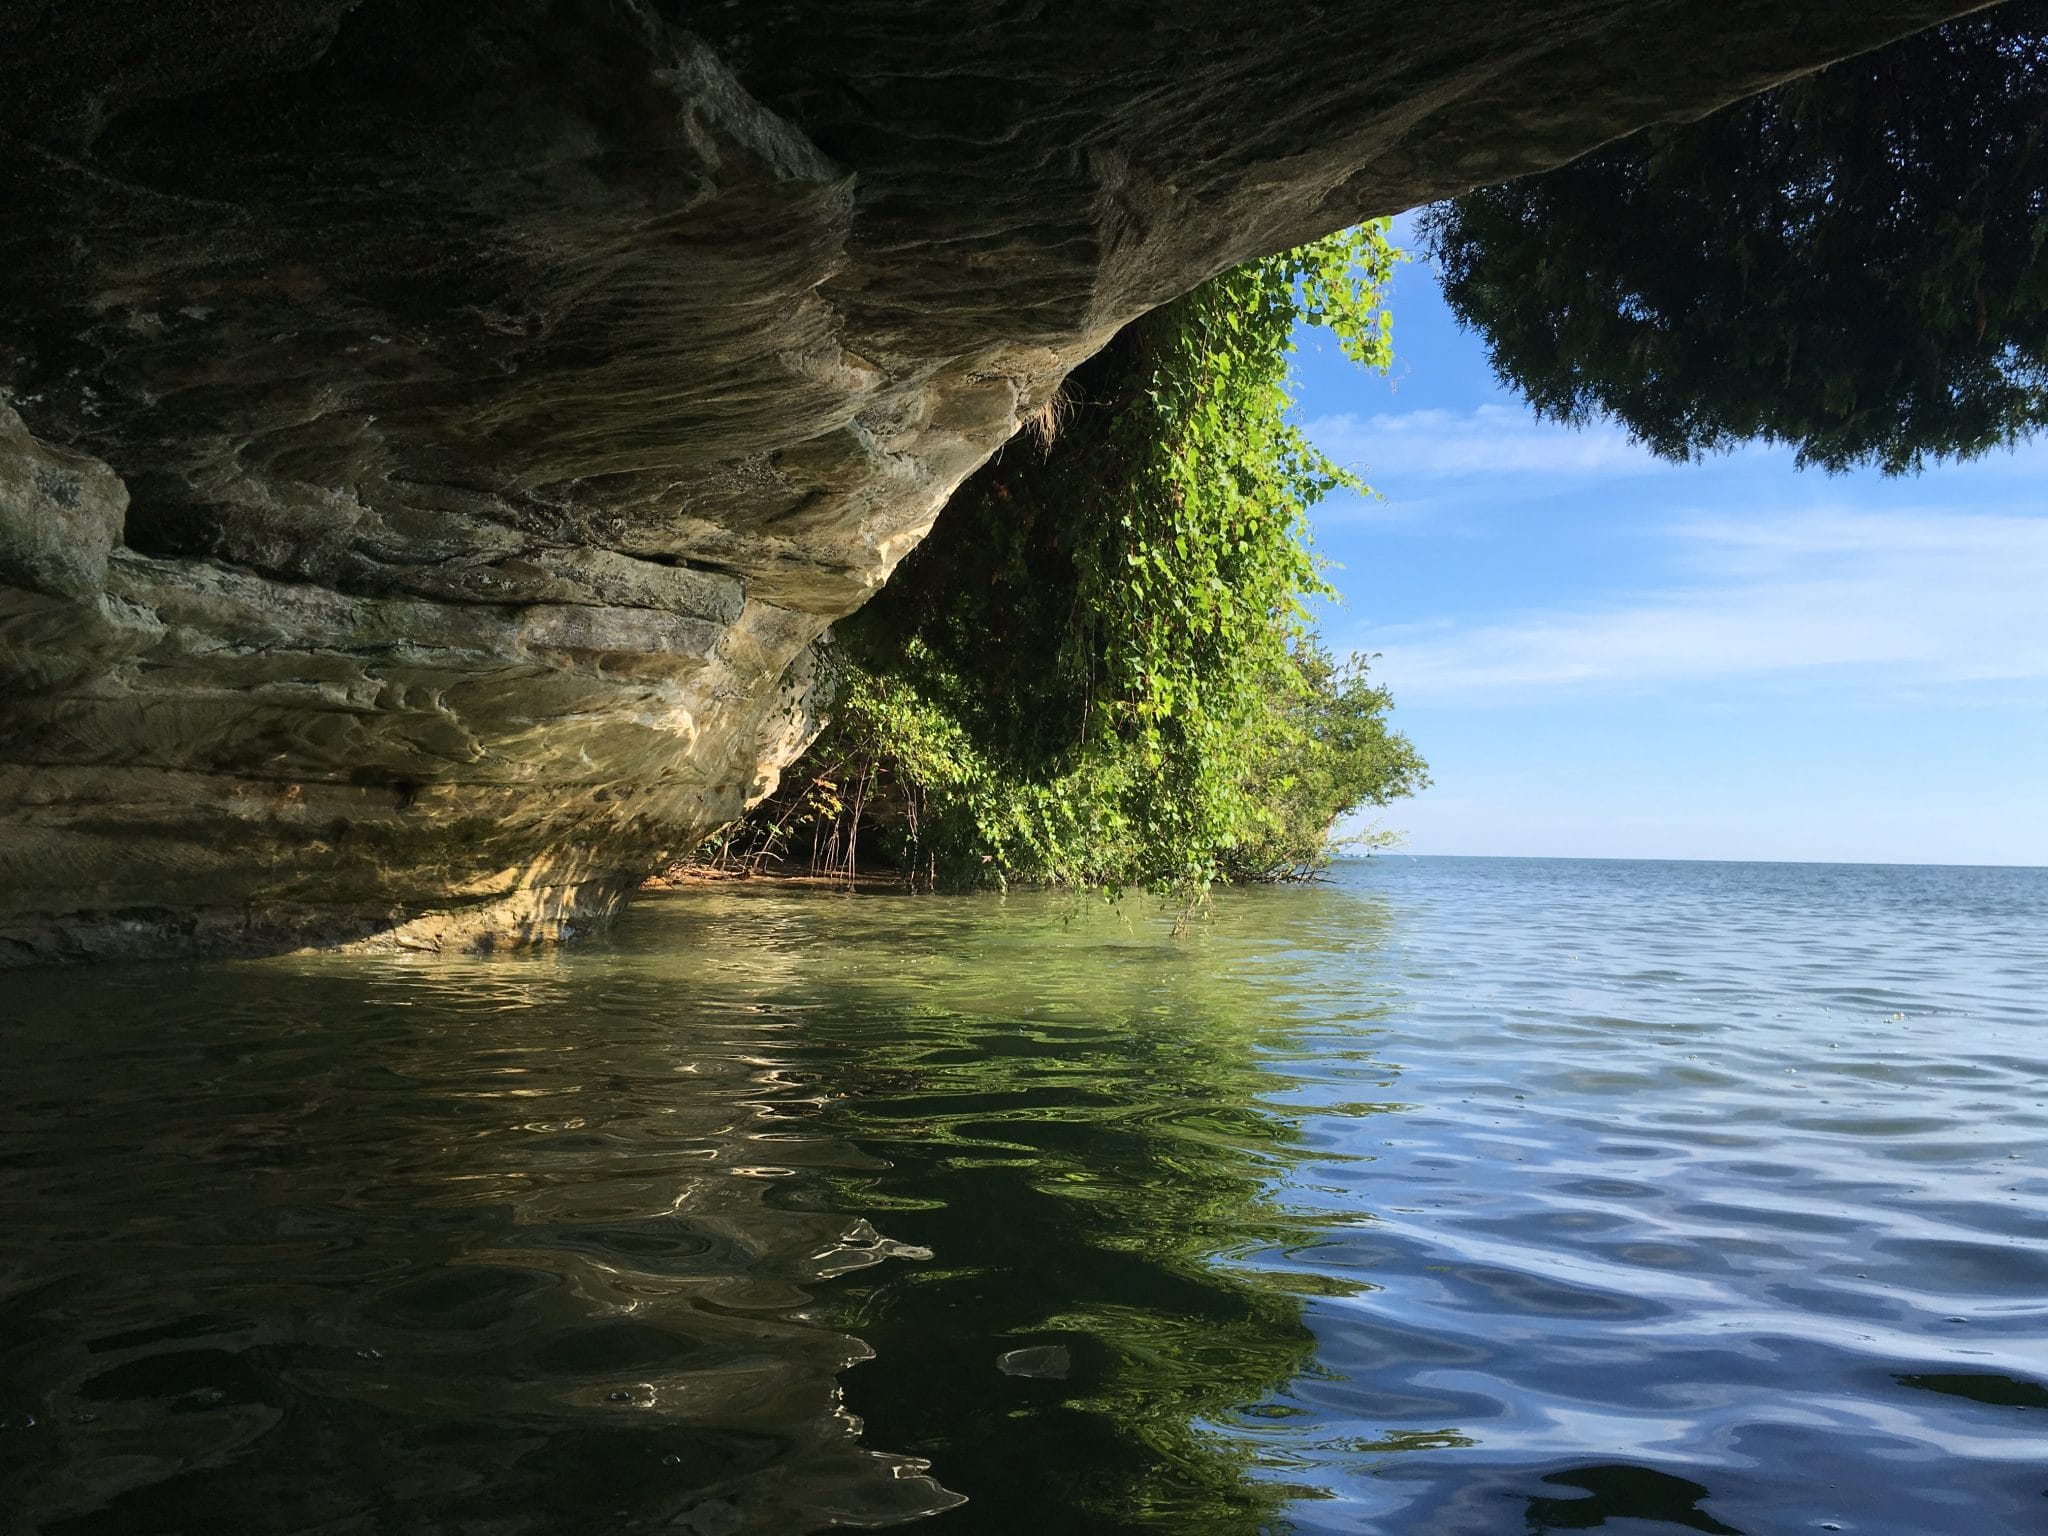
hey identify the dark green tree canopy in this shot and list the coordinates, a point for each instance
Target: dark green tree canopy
(1855, 263)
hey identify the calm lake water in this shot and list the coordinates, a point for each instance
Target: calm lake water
(1455, 1196)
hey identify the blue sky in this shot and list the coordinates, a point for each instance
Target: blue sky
(1605, 655)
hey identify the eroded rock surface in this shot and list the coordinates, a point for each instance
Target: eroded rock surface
(433, 437)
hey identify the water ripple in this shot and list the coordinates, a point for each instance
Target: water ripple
(1473, 1198)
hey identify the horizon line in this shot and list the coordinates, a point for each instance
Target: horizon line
(1635, 858)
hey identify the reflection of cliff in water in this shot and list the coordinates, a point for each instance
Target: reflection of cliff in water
(586, 1242)
(415, 1249)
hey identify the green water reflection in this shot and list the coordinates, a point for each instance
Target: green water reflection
(1079, 1121)
(600, 1241)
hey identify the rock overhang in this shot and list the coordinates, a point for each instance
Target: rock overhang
(435, 437)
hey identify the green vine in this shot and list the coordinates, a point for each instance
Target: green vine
(1099, 669)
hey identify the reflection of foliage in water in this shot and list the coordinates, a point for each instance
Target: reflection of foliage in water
(525, 1245)
(1082, 1136)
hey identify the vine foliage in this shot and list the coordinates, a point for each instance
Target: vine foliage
(1099, 669)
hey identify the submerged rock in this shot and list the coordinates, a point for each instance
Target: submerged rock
(432, 438)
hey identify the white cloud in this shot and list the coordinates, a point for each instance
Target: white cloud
(1897, 599)
(1395, 448)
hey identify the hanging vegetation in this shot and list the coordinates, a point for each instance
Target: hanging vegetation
(1099, 669)
(1854, 264)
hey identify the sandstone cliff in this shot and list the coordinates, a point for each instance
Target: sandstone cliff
(432, 436)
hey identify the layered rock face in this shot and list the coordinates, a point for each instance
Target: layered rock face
(433, 437)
